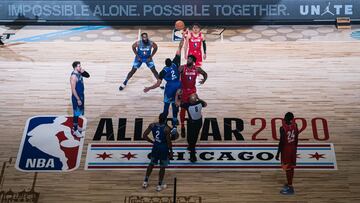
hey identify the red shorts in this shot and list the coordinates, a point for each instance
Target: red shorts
(286, 167)
(288, 157)
(186, 94)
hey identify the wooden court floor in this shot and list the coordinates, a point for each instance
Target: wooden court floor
(246, 80)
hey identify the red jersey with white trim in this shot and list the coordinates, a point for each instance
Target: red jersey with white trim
(195, 43)
(188, 77)
(290, 140)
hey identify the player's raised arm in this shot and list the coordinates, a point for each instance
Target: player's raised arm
(203, 73)
(177, 57)
(186, 45)
(181, 44)
(84, 73)
(147, 132)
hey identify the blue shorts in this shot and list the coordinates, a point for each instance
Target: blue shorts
(163, 163)
(160, 153)
(78, 110)
(137, 64)
(170, 92)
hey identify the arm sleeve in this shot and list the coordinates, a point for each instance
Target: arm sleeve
(176, 60)
(204, 45)
(85, 74)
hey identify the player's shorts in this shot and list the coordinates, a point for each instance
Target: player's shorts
(288, 159)
(163, 163)
(170, 91)
(78, 110)
(137, 64)
(186, 94)
(286, 167)
(198, 56)
(159, 154)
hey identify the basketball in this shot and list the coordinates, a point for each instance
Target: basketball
(179, 25)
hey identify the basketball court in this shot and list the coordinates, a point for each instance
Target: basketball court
(256, 73)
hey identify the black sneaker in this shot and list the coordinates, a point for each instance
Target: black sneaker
(122, 87)
(193, 158)
(183, 132)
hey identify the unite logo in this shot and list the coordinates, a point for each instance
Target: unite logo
(328, 9)
(48, 145)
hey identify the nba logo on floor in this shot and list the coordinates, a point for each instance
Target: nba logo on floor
(49, 145)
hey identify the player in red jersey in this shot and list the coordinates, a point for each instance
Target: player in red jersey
(289, 134)
(195, 40)
(188, 75)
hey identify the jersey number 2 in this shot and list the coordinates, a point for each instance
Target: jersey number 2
(157, 134)
(173, 76)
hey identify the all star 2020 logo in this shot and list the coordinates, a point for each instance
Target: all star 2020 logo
(49, 145)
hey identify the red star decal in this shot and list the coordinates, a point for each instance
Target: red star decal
(317, 156)
(104, 156)
(129, 156)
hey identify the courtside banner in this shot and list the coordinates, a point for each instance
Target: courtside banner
(247, 156)
(159, 11)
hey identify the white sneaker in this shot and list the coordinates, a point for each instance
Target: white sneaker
(78, 134)
(173, 131)
(174, 134)
(81, 129)
(145, 184)
(160, 187)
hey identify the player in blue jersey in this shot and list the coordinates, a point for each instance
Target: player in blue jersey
(171, 74)
(161, 150)
(143, 54)
(77, 97)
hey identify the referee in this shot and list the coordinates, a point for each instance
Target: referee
(195, 122)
